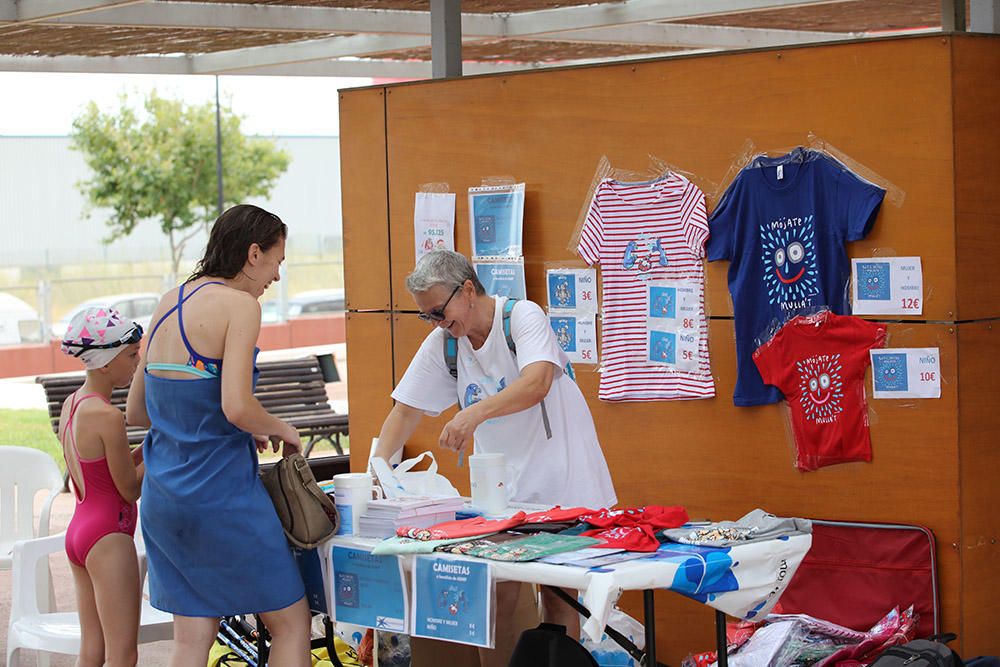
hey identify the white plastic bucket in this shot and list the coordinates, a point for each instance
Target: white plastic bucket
(352, 491)
(488, 478)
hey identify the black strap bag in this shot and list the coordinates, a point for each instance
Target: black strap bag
(921, 653)
(548, 645)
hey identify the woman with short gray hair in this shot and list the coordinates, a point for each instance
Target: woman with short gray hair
(515, 395)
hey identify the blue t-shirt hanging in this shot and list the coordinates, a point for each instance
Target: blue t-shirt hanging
(782, 224)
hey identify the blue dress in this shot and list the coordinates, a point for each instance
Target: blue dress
(214, 544)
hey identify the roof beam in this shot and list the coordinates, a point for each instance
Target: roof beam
(28, 11)
(546, 21)
(279, 17)
(695, 36)
(402, 69)
(304, 51)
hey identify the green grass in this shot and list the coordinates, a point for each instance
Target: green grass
(30, 428)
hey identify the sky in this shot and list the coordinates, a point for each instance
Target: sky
(45, 104)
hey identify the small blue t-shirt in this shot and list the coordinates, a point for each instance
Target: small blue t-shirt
(782, 224)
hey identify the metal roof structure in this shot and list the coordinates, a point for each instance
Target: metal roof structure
(393, 38)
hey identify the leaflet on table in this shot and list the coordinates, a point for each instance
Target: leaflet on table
(887, 286)
(453, 600)
(496, 214)
(434, 222)
(673, 320)
(501, 277)
(369, 590)
(576, 334)
(572, 289)
(907, 372)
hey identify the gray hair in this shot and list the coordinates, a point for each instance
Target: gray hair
(442, 267)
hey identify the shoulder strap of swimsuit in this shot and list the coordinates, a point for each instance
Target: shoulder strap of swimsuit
(180, 299)
(68, 430)
(180, 321)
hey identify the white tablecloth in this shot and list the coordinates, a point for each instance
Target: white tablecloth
(745, 580)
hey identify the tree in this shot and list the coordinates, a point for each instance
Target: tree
(159, 163)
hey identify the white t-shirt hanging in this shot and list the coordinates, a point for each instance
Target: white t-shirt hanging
(647, 235)
(569, 469)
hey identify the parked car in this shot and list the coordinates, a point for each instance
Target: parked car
(313, 302)
(18, 321)
(136, 306)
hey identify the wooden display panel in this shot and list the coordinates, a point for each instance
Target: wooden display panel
(976, 62)
(365, 209)
(979, 423)
(369, 369)
(886, 104)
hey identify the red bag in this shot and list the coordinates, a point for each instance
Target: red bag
(854, 572)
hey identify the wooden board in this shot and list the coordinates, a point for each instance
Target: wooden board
(365, 209)
(979, 423)
(886, 104)
(369, 371)
(977, 173)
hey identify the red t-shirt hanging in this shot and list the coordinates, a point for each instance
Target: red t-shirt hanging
(818, 363)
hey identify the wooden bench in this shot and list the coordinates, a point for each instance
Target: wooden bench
(293, 390)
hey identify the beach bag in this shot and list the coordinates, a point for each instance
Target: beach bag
(548, 645)
(921, 653)
(307, 515)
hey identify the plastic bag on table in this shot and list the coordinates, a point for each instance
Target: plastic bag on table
(607, 652)
(423, 482)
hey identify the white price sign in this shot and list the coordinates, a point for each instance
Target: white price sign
(889, 286)
(576, 334)
(572, 289)
(907, 372)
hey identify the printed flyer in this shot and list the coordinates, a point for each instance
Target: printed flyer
(501, 277)
(452, 599)
(368, 589)
(434, 222)
(496, 215)
(673, 321)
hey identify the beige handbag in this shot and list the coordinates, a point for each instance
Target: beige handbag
(307, 514)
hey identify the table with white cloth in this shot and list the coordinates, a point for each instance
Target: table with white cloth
(744, 580)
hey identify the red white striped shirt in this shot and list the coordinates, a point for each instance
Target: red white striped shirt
(670, 210)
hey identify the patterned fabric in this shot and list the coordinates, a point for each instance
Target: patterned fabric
(97, 326)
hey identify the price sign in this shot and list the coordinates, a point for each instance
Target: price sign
(572, 289)
(452, 600)
(576, 334)
(907, 372)
(890, 286)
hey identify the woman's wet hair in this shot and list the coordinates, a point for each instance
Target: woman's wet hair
(232, 235)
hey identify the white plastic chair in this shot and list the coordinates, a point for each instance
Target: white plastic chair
(57, 632)
(23, 473)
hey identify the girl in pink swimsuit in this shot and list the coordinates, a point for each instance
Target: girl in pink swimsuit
(106, 481)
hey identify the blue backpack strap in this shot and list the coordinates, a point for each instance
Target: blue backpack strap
(451, 356)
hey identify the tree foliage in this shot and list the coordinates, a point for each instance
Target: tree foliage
(159, 163)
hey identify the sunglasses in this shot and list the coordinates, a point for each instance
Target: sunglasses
(437, 315)
(133, 335)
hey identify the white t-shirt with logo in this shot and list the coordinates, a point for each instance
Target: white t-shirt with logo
(569, 469)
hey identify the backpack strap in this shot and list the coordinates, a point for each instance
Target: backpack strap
(508, 309)
(451, 356)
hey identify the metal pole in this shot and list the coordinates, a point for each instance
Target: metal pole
(649, 612)
(953, 15)
(721, 643)
(446, 38)
(218, 150)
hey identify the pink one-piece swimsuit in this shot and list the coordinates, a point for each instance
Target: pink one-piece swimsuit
(102, 511)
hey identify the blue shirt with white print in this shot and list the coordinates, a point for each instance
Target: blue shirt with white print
(782, 225)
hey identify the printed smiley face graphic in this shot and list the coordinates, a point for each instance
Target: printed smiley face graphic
(821, 387)
(789, 260)
(874, 281)
(889, 372)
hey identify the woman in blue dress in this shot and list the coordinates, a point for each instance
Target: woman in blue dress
(214, 544)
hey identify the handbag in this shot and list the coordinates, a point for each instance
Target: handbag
(307, 515)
